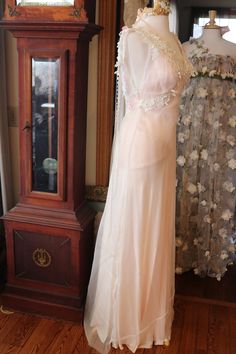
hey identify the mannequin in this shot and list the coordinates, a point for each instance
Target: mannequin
(212, 38)
(205, 151)
(155, 23)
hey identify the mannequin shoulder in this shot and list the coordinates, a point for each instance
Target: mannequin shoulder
(230, 48)
(223, 47)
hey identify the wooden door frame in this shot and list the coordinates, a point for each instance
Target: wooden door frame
(106, 84)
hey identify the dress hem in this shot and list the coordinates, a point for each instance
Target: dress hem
(113, 344)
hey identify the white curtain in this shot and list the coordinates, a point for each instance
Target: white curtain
(173, 17)
(5, 159)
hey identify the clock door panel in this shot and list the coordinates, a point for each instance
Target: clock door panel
(44, 128)
(45, 83)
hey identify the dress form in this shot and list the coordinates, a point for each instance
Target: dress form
(216, 44)
(207, 109)
(212, 38)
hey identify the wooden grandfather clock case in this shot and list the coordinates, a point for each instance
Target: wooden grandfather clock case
(49, 233)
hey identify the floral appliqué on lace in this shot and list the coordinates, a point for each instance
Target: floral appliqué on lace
(206, 167)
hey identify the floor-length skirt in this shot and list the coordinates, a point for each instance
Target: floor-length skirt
(131, 290)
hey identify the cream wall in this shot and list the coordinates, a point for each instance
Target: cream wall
(12, 95)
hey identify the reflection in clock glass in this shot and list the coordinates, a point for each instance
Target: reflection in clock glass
(45, 2)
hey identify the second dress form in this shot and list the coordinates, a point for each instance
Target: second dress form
(213, 41)
(206, 159)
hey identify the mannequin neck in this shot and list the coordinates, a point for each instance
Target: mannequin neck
(159, 23)
(210, 35)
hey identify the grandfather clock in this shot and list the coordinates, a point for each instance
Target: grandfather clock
(49, 233)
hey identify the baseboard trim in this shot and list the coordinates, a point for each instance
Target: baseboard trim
(205, 300)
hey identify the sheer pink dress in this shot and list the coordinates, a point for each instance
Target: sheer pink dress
(131, 290)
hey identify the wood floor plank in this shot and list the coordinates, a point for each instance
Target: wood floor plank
(5, 330)
(189, 330)
(202, 329)
(19, 334)
(151, 350)
(157, 349)
(82, 344)
(67, 340)
(3, 320)
(219, 332)
(177, 329)
(42, 337)
(93, 351)
(232, 331)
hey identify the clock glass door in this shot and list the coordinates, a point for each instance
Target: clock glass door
(45, 83)
(43, 133)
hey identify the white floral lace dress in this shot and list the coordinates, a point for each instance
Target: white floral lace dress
(131, 289)
(206, 166)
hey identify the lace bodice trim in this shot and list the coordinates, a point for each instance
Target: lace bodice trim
(151, 103)
(158, 46)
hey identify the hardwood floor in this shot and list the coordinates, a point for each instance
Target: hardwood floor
(198, 328)
(205, 323)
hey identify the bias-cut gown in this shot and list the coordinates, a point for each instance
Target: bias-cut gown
(131, 289)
